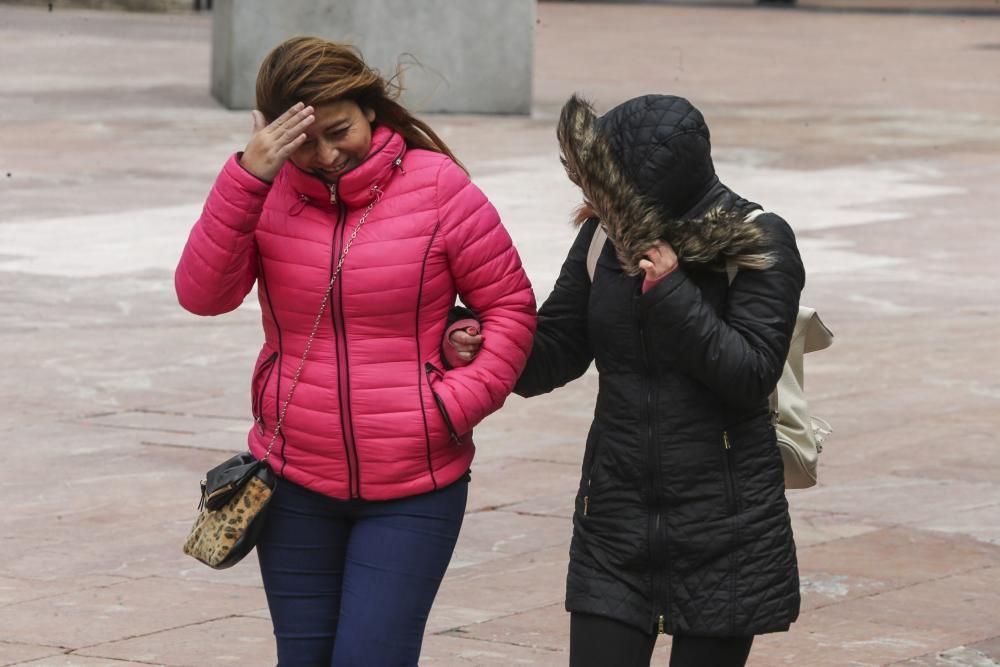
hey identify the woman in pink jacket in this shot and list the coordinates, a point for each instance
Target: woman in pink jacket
(374, 446)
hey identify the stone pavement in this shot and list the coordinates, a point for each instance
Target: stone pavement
(876, 136)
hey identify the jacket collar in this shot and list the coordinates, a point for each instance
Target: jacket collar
(356, 187)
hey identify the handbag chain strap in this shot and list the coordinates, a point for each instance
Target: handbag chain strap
(377, 194)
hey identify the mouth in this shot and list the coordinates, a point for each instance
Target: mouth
(336, 170)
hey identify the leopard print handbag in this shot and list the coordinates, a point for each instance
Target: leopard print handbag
(234, 498)
(235, 494)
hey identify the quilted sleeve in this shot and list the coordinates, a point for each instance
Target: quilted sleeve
(219, 264)
(740, 355)
(561, 351)
(490, 279)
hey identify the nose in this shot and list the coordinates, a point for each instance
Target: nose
(327, 154)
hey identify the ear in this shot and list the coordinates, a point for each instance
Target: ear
(369, 114)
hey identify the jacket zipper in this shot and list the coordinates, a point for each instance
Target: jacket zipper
(656, 544)
(397, 162)
(734, 508)
(430, 368)
(262, 279)
(340, 342)
(590, 474)
(258, 400)
(416, 327)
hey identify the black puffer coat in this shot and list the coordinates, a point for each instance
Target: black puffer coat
(681, 523)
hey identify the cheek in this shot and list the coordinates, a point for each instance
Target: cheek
(362, 143)
(302, 158)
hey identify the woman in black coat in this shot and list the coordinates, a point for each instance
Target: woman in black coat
(681, 524)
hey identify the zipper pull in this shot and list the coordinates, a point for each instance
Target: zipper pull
(398, 163)
(333, 193)
(586, 505)
(659, 626)
(725, 439)
(299, 204)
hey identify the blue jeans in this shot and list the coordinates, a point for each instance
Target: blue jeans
(351, 582)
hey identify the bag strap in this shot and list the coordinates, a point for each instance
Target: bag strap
(377, 193)
(731, 268)
(596, 246)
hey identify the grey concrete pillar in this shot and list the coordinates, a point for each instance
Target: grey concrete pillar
(475, 56)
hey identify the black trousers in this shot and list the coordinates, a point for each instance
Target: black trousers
(597, 641)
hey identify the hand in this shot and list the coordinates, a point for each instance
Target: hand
(270, 145)
(466, 342)
(658, 261)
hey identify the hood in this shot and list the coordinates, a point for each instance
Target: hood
(645, 169)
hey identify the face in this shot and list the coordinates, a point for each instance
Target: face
(337, 141)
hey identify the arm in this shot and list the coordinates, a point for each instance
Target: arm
(219, 264)
(490, 279)
(561, 350)
(739, 356)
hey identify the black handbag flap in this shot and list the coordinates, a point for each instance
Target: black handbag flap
(222, 481)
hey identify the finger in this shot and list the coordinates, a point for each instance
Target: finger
(291, 146)
(461, 337)
(294, 109)
(295, 130)
(259, 122)
(288, 123)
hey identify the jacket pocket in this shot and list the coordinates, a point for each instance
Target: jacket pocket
(590, 467)
(258, 387)
(432, 371)
(729, 475)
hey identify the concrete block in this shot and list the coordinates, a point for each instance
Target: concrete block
(155, 6)
(458, 56)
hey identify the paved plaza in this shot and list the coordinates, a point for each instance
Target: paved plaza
(877, 135)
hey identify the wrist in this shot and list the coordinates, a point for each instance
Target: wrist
(253, 169)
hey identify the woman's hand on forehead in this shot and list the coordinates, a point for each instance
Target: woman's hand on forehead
(270, 145)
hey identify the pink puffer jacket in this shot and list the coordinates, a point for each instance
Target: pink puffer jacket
(373, 415)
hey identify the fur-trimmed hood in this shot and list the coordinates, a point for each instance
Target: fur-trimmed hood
(645, 169)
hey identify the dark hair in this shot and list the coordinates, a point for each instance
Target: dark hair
(316, 71)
